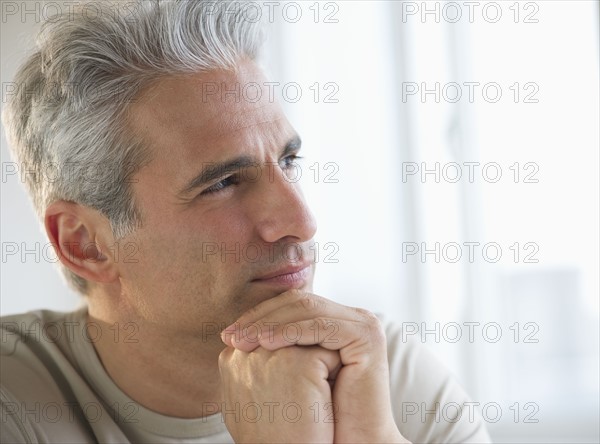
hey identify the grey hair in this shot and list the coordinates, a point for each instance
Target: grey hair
(69, 114)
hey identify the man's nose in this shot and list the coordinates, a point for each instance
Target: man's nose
(281, 210)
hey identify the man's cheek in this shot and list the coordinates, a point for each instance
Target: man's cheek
(207, 252)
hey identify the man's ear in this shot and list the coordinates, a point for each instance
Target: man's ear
(83, 240)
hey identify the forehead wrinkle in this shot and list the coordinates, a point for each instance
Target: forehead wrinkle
(226, 130)
(232, 113)
(228, 109)
(203, 127)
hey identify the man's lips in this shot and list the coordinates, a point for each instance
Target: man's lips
(287, 275)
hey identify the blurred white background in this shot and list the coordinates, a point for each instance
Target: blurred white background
(452, 161)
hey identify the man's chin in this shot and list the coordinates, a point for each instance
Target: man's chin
(259, 293)
(266, 292)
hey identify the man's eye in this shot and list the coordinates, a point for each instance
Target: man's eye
(290, 160)
(221, 185)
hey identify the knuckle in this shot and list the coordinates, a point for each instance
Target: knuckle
(377, 332)
(322, 323)
(308, 303)
(294, 294)
(366, 314)
(372, 324)
(225, 357)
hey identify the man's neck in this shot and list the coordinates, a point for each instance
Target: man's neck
(160, 370)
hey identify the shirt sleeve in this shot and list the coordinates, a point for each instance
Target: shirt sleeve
(13, 429)
(428, 404)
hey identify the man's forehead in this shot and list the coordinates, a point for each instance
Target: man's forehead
(208, 92)
(209, 106)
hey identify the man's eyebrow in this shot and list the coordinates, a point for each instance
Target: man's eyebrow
(213, 171)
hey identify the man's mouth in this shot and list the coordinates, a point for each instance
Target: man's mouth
(294, 276)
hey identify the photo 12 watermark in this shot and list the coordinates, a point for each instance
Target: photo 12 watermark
(470, 252)
(317, 12)
(471, 92)
(452, 412)
(38, 252)
(470, 12)
(68, 412)
(20, 333)
(471, 172)
(471, 332)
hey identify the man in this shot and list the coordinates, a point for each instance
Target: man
(162, 172)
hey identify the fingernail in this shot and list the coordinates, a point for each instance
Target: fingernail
(228, 332)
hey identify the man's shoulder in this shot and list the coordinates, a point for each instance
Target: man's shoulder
(423, 390)
(35, 395)
(34, 347)
(35, 324)
(31, 335)
(401, 344)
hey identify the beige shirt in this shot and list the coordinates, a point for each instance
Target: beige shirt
(53, 388)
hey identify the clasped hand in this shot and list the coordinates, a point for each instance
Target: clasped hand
(302, 368)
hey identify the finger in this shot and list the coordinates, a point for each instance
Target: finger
(329, 333)
(293, 308)
(329, 358)
(358, 342)
(275, 335)
(264, 308)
